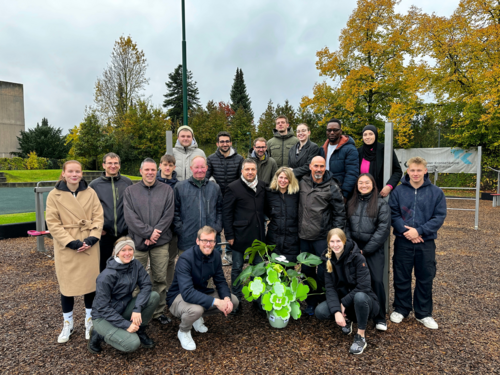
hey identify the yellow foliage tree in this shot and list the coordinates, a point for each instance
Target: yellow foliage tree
(73, 137)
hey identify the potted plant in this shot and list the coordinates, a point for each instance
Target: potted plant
(275, 283)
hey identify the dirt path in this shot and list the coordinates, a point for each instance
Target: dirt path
(466, 304)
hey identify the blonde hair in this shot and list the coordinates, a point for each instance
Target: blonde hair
(417, 160)
(61, 177)
(206, 230)
(293, 184)
(198, 157)
(121, 242)
(340, 233)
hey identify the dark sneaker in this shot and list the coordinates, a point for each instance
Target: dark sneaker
(381, 326)
(359, 345)
(347, 329)
(163, 319)
(309, 310)
(146, 341)
(94, 343)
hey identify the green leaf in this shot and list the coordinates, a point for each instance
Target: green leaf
(278, 302)
(272, 276)
(289, 294)
(266, 302)
(294, 284)
(246, 294)
(245, 274)
(256, 287)
(292, 273)
(296, 312)
(273, 259)
(302, 291)
(309, 259)
(259, 269)
(279, 289)
(312, 283)
(283, 313)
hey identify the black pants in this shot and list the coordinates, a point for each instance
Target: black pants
(316, 247)
(106, 249)
(422, 257)
(375, 262)
(67, 303)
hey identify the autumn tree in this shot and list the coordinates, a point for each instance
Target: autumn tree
(174, 100)
(239, 96)
(122, 81)
(374, 72)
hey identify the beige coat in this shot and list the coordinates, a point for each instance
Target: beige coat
(68, 219)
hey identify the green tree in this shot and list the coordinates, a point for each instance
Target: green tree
(173, 98)
(45, 140)
(267, 121)
(239, 96)
(242, 130)
(288, 111)
(91, 138)
(313, 120)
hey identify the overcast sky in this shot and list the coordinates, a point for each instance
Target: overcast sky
(57, 49)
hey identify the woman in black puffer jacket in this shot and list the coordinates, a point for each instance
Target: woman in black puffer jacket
(368, 224)
(282, 208)
(300, 155)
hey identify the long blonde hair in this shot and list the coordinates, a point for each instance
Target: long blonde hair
(293, 184)
(335, 231)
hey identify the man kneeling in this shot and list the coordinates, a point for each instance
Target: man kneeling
(189, 298)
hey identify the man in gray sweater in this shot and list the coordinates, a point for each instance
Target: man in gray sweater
(149, 212)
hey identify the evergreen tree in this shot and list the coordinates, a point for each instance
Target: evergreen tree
(45, 140)
(312, 119)
(239, 95)
(173, 98)
(242, 130)
(267, 122)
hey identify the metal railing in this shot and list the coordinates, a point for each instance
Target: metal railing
(39, 212)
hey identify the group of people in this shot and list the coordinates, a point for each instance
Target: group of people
(288, 192)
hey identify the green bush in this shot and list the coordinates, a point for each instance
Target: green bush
(12, 164)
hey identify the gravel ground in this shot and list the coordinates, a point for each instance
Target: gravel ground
(466, 293)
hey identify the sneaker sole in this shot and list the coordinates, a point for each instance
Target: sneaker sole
(384, 328)
(426, 325)
(361, 352)
(62, 341)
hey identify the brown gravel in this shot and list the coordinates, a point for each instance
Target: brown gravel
(466, 295)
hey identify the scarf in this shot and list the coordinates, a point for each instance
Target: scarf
(369, 152)
(252, 185)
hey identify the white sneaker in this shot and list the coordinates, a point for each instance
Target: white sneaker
(88, 326)
(66, 332)
(186, 340)
(199, 326)
(381, 326)
(396, 317)
(429, 322)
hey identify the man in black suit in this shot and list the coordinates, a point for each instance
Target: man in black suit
(243, 217)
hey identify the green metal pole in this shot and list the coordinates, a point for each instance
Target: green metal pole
(184, 69)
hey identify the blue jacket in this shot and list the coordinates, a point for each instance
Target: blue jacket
(170, 182)
(192, 272)
(423, 209)
(196, 207)
(344, 163)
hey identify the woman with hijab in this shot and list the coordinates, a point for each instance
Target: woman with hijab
(371, 160)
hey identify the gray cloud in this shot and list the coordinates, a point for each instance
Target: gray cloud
(58, 49)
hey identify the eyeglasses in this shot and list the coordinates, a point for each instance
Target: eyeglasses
(222, 142)
(208, 242)
(333, 130)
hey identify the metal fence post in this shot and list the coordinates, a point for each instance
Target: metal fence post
(169, 140)
(478, 185)
(388, 151)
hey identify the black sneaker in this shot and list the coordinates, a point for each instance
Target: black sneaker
(347, 329)
(94, 343)
(163, 319)
(146, 341)
(359, 345)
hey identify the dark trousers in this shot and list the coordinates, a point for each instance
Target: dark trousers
(364, 308)
(422, 258)
(67, 303)
(106, 249)
(316, 247)
(238, 261)
(375, 262)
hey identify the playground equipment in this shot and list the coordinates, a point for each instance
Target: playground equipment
(497, 194)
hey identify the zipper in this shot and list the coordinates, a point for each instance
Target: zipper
(282, 151)
(360, 218)
(149, 204)
(114, 205)
(201, 206)
(415, 208)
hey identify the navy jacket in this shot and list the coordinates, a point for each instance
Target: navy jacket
(423, 209)
(196, 207)
(192, 272)
(170, 182)
(344, 163)
(114, 287)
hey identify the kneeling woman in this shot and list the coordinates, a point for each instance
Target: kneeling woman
(119, 319)
(348, 288)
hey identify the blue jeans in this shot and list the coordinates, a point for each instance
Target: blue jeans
(238, 260)
(364, 306)
(219, 247)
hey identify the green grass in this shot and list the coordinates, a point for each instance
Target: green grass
(39, 175)
(17, 218)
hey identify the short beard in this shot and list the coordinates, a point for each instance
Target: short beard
(318, 176)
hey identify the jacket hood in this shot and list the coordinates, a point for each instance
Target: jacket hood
(61, 185)
(164, 180)
(109, 178)
(112, 264)
(350, 251)
(405, 180)
(326, 178)
(251, 154)
(344, 140)
(289, 134)
(183, 149)
(232, 152)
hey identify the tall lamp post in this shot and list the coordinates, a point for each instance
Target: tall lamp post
(184, 69)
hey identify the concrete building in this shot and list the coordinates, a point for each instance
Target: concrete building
(11, 117)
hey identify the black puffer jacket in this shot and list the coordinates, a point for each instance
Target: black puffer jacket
(224, 170)
(283, 229)
(350, 275)
(114, 287)
(300, 163)
(321, 207)
(369, 233)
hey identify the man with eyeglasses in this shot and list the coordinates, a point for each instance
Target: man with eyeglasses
(189, 297)
(109, 188)
(341, 157)
(198, 202)
(266, 165)
(224, 166)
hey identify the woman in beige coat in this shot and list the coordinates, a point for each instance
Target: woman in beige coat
(75, 220)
